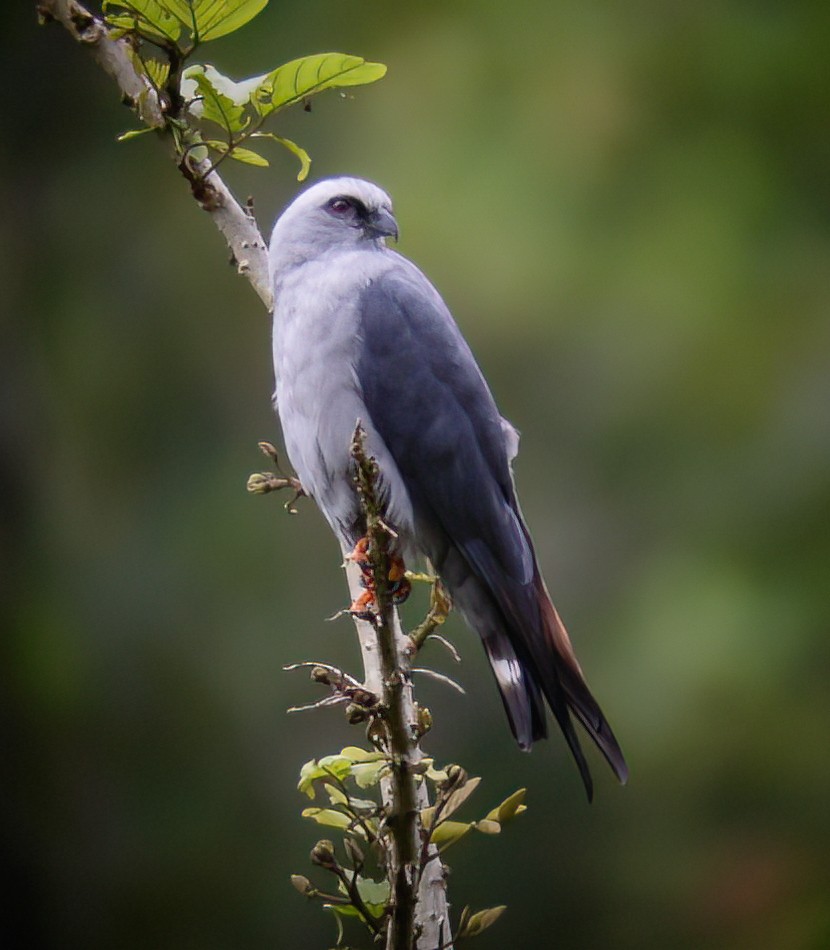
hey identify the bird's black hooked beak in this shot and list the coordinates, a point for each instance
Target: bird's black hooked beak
(381, 223)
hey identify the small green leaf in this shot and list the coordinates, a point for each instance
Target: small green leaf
(210, 19)
(149, 18)
(487, 827)
(248, 157)
(305, 165)
(199, 153)
(356, 754)
(328, 817)
(367, 774)
(310, 75)
(345, 910)
(301, 153)
(480, 921)
(157, 72)
(334, 909)
(336, 795)
(435, 775)
(459, 796)
(448, 832)
(133, 134)
(326, 768)
(373, 892)
(509, 808)
(214, 104)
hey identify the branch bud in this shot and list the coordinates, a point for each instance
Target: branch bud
(259, 484)
(355, 714)
(424, 721)
(456, 777)
(302, 884)
(322, 854)
(267, 449)
(364, 697)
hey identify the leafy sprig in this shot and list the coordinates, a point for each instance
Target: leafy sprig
(199, 99)
(344, 779)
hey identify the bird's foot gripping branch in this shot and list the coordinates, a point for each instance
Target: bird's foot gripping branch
(395, 810)
(399, 585)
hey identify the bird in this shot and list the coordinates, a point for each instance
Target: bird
(361, 335)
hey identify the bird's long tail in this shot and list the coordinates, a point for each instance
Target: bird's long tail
(531, 656)
(563, 684)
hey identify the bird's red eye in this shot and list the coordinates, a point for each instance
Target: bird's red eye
(339, 205)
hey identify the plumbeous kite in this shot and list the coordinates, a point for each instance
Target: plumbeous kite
(361, 334)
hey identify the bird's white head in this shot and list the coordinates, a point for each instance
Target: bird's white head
(334, 214)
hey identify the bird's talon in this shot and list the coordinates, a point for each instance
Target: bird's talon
(400, 590)
(362, 606)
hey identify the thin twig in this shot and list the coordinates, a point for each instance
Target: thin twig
(440, 678)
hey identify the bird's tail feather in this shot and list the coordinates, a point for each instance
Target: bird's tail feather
(578, 697)
(530, 654)
(519, 691)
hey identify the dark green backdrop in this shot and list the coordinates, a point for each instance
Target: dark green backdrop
(626, 206)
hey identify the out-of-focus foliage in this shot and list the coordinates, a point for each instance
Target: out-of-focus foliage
(627, 208)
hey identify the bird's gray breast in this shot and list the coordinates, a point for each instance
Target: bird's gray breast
(317, 344)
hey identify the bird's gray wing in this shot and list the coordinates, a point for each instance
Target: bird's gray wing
(429, 403)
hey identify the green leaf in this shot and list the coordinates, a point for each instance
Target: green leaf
(509, 808)
(459, 796)
(367, 774)
(345, 910)
(334, 909)
(487, 827)
(480, 921)
(373, 892)
(435, 775)
(305, 165)
(214, 104)
(321, 769)
(157, 72)
(210, 19)
(448, 832)
(134, 134)
(310, 75)
(149, 18)
(248, 157)
(356, 754)
(336, 795)
(328, 817)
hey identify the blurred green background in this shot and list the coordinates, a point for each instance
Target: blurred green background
(627, 207)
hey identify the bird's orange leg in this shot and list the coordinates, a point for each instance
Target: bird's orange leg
(399, 586)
